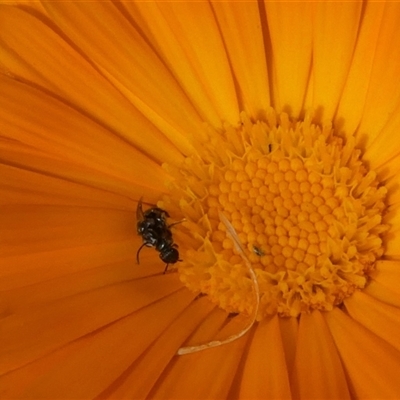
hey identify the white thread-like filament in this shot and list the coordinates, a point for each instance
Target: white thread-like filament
(215, 343)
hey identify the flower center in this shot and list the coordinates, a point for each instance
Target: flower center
(304, 207)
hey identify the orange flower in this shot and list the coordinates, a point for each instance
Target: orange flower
(270, 129)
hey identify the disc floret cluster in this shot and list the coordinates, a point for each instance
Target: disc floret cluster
(305, 208)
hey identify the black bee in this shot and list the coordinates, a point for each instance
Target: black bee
(153, 228)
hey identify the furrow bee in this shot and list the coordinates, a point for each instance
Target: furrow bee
(152, 226)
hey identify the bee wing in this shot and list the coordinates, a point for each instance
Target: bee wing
(139, 210)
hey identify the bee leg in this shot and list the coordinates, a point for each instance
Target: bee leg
(166, 267)
(199, 296)
(176, 223)
(137, 254)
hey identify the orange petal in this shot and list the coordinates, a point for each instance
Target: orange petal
(33, 52)
(290, 28)
(381, 118)
(95, 263)
(241, 28)
(36, 331)
(35, 228)
(124, 57)
(265, 373)
(217, 367)
(19, 186)
(17, 156)
(383, 293)
(387, 273)
(41, 278)
(187, 39)
(318, 372)
(383, 152)
(61, 265)
(371, 364)
(335, 29)
(158, 357)
(383, 99)
(352, 100)
(289, 330)
(392, 238)
(391, 177)
(54, 138)
(379, 318)
(98, 359)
